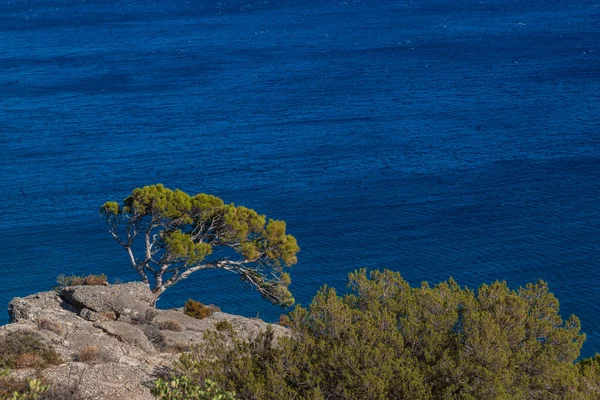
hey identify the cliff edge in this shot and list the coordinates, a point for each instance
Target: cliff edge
(113, 344)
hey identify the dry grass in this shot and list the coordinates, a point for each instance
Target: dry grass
(170, 325)
(18, 348)
(108, 315)
(49, 325)
(95, 280)
(89, 354)
(29, 360)
(75, 280)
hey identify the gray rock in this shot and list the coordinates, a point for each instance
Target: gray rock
(187, 323)
(131, 299)
(101, 381)
(247, 328)
(127, 333)
(47, 305)
(90, 315)
(82, 316)
(173, 341)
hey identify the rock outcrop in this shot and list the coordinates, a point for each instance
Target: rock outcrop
(113, 342)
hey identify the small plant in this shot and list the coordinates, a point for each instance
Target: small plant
(49, 325)
(15, 389)
(182, 388)
(284, 320)
(18, 347)
(89, 354)
(95, 280)
(197, 310)
(108, 315)
(29, 360)
(170, 325)
(223, 325)
(75, 280)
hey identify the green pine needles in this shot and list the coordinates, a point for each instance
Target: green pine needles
(181, 234)
(388, 340)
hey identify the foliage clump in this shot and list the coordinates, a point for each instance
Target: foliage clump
(89, 354)
(223, 325)
(76, 280)
(388, 340)
(22, 349)
(195, 309)
(170, 325)
(182, 388)
(19, 389)
(50, 325)
(182, 234)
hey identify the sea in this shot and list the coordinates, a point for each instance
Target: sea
(437, 138)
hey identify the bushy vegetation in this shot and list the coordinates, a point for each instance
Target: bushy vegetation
(89, 354)
(170, 325)
(182, 388)
(387, 340)
(76, 280)
(183, 234)
(50, 325)
(197, 310)
(22, 349)
(223, 325)
(17, 389)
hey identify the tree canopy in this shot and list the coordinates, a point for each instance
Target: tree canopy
(388, 340)
(181, 234)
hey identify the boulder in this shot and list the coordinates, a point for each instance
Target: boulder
(46, 305)
(247, 328)
(132, 299)
(127, 333)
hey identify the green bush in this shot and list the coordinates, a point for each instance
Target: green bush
(22, 349)
(182, 388)
(387, 340)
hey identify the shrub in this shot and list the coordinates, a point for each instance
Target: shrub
(49, 325)
(89, 354)
(182, 388)
(18, 389)
(93, 354)
(284, 320)
(109, 315)
(170, 325)
(387, 340)
(95, 280)
(18, 347)
(29, 360)
(197, 310)
(223, 325)
(74, 280)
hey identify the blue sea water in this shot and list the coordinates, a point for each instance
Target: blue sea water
(437, 138)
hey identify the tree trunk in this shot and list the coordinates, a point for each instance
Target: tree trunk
(156, 293)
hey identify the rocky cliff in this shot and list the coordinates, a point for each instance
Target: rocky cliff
(113, 343)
